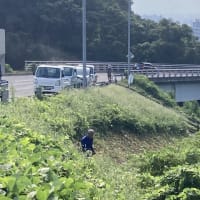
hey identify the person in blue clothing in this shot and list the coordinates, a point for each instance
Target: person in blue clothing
(87, 141)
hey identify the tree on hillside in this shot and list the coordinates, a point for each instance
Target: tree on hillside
(108, 35)
(52, 30)
(167, 41)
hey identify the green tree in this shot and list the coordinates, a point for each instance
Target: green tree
(52, 30)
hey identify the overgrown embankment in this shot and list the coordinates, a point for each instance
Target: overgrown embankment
(172, 173)
(106, 109)
(39, 161)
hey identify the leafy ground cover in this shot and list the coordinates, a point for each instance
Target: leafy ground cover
(172, 173)
(36, 166)
(38, 157)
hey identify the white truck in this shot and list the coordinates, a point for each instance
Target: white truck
(90, 75)
(70, 74)
(55, 78)
(79, 82)
(50, 79)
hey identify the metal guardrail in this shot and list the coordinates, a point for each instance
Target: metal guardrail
(99, 66)
(4, 94)
(119, 67)
(163, 74)
(3, 83)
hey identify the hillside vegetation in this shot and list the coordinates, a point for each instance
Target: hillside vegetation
(52, 30)
(41, 159)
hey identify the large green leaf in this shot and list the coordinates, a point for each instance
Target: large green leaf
(22, 183)
(4, 198)
(43, 192)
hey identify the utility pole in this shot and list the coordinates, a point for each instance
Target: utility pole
(129, 36)
(130, 54)
(84, 41)
(2, 51)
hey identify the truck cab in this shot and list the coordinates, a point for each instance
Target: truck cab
(50, 79)
(70, 74)
(92, 73)
(79, 81)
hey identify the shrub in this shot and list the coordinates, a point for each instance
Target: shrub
(192, 108)
(148, 88)
(158, 163)
(192, 156)
(8, 68)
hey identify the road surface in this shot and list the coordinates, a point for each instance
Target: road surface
(22, 85)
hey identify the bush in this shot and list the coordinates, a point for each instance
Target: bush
(146, 87)
(192, 108)
(158, 163)
(172, 173)
(8, 68)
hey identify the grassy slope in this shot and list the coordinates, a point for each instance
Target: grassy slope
(143, 109)
(146, 111)
(136, 126)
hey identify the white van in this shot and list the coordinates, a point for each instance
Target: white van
(92, 73)
(79, 70)
(50, 79)
(70, 74)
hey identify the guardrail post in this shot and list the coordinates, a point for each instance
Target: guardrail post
(4, 95)
(4, 92)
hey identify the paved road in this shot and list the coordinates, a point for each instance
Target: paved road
(22, 86)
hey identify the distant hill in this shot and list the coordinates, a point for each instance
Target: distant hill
(52, 30)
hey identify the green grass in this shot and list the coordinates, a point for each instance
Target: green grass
(149, 89)
(109, 108)
(173, 172)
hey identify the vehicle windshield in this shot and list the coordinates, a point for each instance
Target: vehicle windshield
(68, 71)
(48, 72)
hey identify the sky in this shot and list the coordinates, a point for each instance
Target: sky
(168, 8)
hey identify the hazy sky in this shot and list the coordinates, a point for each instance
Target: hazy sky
(169, 8)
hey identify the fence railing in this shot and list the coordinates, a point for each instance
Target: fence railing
(172, 74)
(99, 66)
(161, 70)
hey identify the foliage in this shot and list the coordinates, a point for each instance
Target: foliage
(38, 159)
(174, 171)
(192, 108)
(35, 166)
(8, 68)
(147, 88)
(105, 110)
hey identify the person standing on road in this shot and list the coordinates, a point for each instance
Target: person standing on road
(87, 141)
